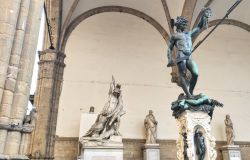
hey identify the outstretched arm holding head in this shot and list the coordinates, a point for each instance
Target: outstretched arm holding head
(206, 13)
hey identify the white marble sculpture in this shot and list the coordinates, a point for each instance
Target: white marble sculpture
(151, 150)
(108, 121)
(229, 130)
(150, 124)
(230, 151)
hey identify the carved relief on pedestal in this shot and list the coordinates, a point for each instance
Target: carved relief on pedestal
(188, 123)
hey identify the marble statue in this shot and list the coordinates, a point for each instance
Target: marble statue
(199, 141)
(30, 118)
(108, 121)
(151, 128)
(91, 109)
(182, 40)
(229, 130)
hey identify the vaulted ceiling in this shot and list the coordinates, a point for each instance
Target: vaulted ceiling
(159, 12)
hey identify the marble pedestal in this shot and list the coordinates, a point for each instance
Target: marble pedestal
(151, 152)
(10, 157)
(188, 122)
(99, 149)
(101, 153)
(231, 152)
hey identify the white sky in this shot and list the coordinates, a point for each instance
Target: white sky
(39, 48)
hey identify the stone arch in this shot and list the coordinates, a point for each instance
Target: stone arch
(109, 26)
(104, 9)
(232, 22)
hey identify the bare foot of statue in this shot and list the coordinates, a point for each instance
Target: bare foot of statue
(191, 97)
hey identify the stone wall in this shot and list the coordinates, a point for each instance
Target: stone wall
(66, 148)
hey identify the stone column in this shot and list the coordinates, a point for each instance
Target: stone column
(13, 65)
(54, 11)
(22, 86)
(8, 18)
(26, 136)
(16, 51)
(49, 83)
(25, 142)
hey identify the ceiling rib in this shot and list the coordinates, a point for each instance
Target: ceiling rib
(188, 10)
(167, 14)
(227, 22)
(231, 22)
(69, 15)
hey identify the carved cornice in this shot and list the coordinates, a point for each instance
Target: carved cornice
(50, 56)
(26, 128)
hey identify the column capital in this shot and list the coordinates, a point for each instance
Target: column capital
(51, 56)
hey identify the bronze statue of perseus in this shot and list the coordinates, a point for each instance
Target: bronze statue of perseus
(182, 40)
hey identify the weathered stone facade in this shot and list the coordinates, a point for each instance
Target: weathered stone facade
(51, 67)
(20, 23)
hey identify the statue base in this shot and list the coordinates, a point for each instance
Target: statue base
(95, 149)
(188, 122)
(231, 152)
(151, 152)
(12, 157)
(101, 153)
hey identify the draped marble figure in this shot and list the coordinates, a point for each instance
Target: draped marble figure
(229, 130)
(151, 128)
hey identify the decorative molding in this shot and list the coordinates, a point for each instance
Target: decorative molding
(188, 122)
(137, 140)
(103, 9)
(26, 128)
(66, 138)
